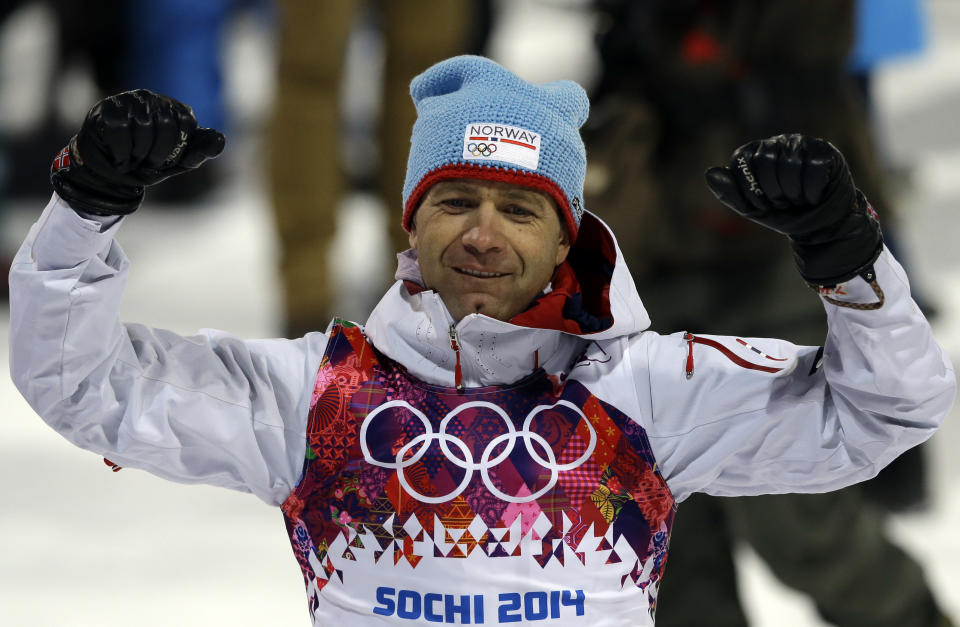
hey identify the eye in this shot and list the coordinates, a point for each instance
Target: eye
(519, 211)
(455, 203)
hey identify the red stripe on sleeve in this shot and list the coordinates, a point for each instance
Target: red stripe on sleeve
(740, 361)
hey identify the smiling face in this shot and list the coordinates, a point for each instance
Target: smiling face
(487, 247)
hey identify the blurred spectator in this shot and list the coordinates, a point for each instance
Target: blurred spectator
(87, 34)
(886, 30)
(307, 174)
(171, 47)
(90, 35)
(176, 48)
(681, 80)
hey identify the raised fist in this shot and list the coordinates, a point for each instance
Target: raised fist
(801, 187)
(127, 142)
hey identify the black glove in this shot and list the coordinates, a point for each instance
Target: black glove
(801, 187)
(127, 142)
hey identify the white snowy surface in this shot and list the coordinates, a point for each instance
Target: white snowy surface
(80, 545)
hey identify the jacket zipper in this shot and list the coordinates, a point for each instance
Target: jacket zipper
(455, 345)
(689, 367)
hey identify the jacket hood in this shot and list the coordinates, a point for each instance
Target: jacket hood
(592, 298)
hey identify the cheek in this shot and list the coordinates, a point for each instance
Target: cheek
(542, 259)
(430, 253)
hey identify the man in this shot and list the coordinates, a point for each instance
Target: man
(502, 441)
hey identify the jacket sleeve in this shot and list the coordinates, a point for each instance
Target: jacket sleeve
(741, 416)
(210, 408)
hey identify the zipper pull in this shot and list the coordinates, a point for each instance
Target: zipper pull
(689, 366)
(455, 345)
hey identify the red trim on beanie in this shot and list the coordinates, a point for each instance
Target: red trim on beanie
(491, 173)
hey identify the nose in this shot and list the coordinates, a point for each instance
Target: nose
(484, 232)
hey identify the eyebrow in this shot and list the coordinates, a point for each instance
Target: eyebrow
(448, 186)
(523, 194)
(467, 188)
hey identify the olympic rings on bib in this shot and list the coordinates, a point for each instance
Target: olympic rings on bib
(482, 149)
(462, 456)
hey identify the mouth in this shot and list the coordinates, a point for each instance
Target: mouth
(480, 274)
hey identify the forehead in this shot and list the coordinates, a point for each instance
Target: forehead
(499, 188)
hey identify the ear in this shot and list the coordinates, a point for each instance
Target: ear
(564, 248)
(412, 233)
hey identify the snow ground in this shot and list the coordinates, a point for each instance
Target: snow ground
(80, 545)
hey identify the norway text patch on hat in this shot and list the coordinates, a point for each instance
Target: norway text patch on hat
(483, 141)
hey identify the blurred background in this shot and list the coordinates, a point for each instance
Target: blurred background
(299, 219)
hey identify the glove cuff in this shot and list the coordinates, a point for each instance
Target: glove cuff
(841, 251)
(84, 192)
(810, 265)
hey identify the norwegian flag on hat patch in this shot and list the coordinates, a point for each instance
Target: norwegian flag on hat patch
(489, 141)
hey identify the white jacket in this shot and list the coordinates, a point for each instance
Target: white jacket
(216, 409)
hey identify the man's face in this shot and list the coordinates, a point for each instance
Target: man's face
(487, 247)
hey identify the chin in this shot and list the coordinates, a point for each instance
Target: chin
(491, 311)
(485, 304)
(486, 308)
(482, 308)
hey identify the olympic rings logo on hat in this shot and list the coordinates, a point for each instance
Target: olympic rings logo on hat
(465, 458)
(482, 149)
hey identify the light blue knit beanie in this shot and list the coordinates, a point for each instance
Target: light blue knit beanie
(476, 119)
